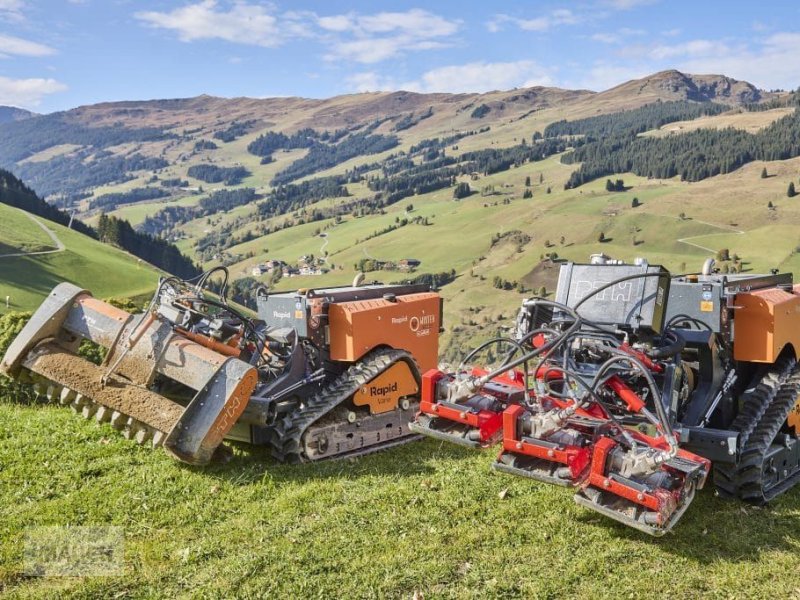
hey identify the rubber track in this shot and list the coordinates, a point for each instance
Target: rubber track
(764, 413)
(287, 434)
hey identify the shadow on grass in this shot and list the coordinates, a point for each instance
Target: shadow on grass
(251, 463)
(716, 529)
(30, 273)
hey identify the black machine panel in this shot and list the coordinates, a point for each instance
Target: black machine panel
(637, 302)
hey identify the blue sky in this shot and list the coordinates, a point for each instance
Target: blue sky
(57, 54)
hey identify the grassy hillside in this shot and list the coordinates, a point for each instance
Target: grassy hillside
(104, 270)
(428, 518)
(20, 234)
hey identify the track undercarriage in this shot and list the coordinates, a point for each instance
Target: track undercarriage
(311, 380)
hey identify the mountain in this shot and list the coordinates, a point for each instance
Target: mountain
(11, 113)
(673, 85)
(81, 152)
(487, 190)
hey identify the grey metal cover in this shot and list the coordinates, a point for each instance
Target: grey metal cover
(284, 310)
(637, 303)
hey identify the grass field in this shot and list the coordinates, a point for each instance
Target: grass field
(104, 270)
(18, 233)
(427, 518)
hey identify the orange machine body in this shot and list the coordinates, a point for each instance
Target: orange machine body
(384, 393)
(765, 322)
(409, 322)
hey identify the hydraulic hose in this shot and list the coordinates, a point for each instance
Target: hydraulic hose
(537, 351)
(662, 415)
(675, 347)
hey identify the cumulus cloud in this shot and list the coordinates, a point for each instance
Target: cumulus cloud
(553, 19)
(771, 63)
(606, 38)
(690, 48)
(370, 81)
(11, 10)
(27, 92)
(618, 37)
(628, 4)
(363, 38)
(10, 45)
(470, 77)
(240, 23)
(602, 76)
(373, 38)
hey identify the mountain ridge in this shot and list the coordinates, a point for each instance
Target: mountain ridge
(12, 113)
(341, 110)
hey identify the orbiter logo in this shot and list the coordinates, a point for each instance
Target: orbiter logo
(421, 322)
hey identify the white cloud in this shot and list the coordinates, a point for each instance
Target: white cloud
(606, 38)
(27, 92)
(11, 10)
(690, 48)
(771, 64)
(470, 77)
(373, 38)
(369, 38)
(603, 76)
(336, 22)
(542, 23)
(369, 81)
(628, 4)
(241, 23)
(10, 45)
(619, 36)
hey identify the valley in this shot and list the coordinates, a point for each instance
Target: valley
(375, 175)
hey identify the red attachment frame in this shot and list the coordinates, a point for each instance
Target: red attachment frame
(488, 423)
(600, 479)
(574, 457)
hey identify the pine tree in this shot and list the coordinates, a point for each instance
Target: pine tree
(634, 202)
(462, 190)
(528, 181)
(764, 173)
(791, 191)
(609, 185)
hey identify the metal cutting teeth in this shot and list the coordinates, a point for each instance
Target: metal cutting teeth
(89, 409)
(130, 428)
(118, 420)
(143, 434)
(103, 414)
(53, 391)
(67, 396)
(79, 402)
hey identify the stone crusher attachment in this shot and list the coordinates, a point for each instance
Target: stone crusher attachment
(322, 373)
(634, 386)
(140, 348)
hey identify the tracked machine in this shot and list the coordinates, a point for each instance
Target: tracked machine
(322, 373)
(635, 387)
